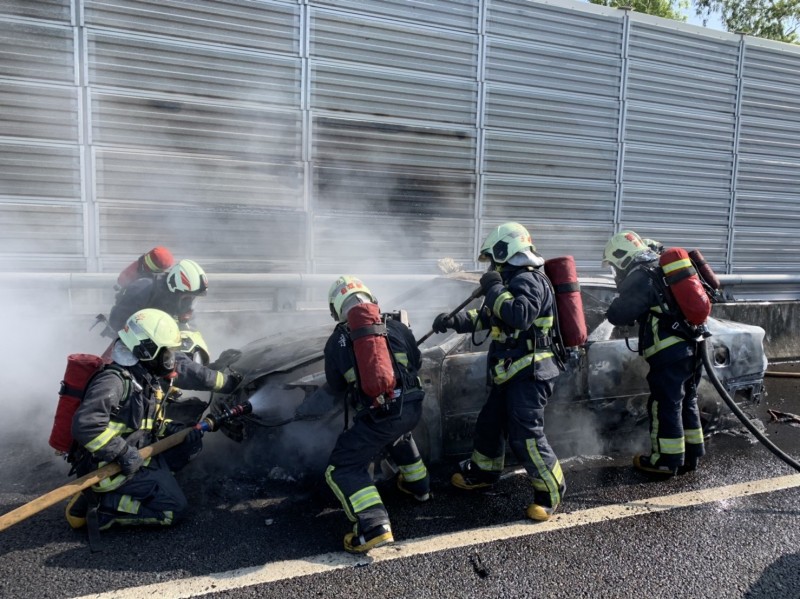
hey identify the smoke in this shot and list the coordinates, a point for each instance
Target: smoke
(39, 332)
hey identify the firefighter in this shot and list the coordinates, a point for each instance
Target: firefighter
(374, 429)
(122, 411)
(156, 261)
(173, 292)
(676, 434)
(518, 309)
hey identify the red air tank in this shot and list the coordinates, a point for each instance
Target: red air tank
(571, 319)
(704, 269)
(80, 368)
(685, 285)
(371, 348)
(156, 260)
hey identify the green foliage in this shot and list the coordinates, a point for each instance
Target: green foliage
(669, 9)
(772, 19)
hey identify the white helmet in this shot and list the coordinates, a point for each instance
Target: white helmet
(187, 277)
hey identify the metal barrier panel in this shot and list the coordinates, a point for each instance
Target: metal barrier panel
(381, 136)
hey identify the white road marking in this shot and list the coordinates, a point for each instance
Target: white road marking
(271, 572)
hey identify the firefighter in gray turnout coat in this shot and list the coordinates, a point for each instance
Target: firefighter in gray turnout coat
(676, 433)
(121, 412)
(372, 431)
(518, 310)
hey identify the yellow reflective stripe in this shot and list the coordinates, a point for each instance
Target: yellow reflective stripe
(220, 381)
(545, 323)
(128, 505)
(350, 376)
(677, 265)
(112, 430)
(474, 320)
(488, 464)
(147, 424)
(659, 344)
(168, 518)
(152, 266)
(654, 450)
(671, 446)
(501, 374)
(339, 495)
(540, 485)
(402, 358)
(109, 484)
(414, 472)
(693, 436)
(365, 498)
(506, 296)
(552, 479)
(558, 472)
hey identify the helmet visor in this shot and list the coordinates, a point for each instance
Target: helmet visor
(145, 350)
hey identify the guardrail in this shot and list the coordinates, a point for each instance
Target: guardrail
(770, 301)
(90, 293)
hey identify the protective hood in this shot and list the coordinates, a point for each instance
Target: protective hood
(122, 355)
(526, 258)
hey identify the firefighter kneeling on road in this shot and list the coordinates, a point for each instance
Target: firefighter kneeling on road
(676, 434)
(373, 359)
(518, 308)
(121, 411)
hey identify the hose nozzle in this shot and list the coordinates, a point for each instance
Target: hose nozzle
(212, 422)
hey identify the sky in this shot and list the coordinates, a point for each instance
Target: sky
(713, 23)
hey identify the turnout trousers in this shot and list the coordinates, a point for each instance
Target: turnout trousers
(348, 471)
(676, 434)
(515, 410)
(149, 496)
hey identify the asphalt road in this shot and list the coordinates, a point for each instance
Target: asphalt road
(728, 530)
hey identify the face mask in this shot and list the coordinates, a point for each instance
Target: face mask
(162, 365)
(185, 303)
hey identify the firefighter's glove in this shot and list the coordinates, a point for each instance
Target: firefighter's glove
(129, 460)
(442, 322)
(490, 279)
(172, 427)
(232, 381)
(194, 436)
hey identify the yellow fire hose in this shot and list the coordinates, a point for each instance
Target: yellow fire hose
(61, 493)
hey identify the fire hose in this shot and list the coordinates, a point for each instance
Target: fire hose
(210, 423)
(475, 295)
(706, 355)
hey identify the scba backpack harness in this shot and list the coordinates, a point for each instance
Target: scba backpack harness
(685, 295)
(81, 370)
(373, 360)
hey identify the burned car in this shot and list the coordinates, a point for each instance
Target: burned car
(600, 400)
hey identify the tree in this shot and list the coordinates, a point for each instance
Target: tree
(772, 19)
(669, 9)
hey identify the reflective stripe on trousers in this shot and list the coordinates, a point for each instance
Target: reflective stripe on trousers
(675, 427)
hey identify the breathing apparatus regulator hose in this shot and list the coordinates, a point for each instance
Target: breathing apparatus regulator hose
(705, 352)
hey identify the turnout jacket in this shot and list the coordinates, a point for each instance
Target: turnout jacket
(340, 369)
(660, 342)
(519, 313)
(148, 292)
(119, 401)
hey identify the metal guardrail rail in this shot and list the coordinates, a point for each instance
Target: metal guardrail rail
(88, 293)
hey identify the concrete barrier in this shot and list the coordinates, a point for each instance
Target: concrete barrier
(780, 320)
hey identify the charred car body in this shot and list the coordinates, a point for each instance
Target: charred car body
(600, 400)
